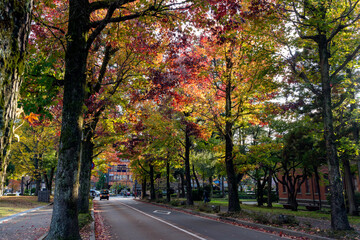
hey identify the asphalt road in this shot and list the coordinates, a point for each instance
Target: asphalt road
(129, 219)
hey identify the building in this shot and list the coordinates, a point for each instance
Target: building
(120, 173)
(308, 192)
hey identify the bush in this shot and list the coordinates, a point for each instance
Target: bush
(286, 219)
(243, 195)
(197, 194)
(175, 203)
(33, 190)
(262, 218)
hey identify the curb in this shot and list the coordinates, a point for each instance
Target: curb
(243, 223)
(92, 226)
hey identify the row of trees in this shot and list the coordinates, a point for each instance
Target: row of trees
(161, 82)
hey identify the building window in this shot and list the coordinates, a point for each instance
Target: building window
(307, 186)
(121, 168)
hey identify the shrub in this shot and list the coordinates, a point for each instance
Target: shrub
(262, 218)
(197, 194)
(175, 203)
(243, 195)
(286, 219)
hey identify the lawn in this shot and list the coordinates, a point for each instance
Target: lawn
(278, 209)
(10, 205)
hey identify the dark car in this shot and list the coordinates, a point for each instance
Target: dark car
(104, 194)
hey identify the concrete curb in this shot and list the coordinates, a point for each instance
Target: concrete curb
(246, 223)
(92, 226)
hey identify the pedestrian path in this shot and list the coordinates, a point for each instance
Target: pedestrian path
(28, 225)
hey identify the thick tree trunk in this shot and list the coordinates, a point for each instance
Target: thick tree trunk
(339, 220)
(189, 198)
(85, 172)
(349, 188)
(64, 222)
(234, 205)
(292, 201)
(152, 185)
(14, 31)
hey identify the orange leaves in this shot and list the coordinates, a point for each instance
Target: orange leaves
(32, 118)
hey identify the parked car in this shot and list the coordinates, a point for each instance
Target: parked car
(104, 194)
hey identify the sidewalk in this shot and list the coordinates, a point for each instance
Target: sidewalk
(28, 225)
(34, 225)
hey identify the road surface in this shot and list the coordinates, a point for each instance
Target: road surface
(129, 219)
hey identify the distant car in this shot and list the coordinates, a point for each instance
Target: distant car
(104, 194)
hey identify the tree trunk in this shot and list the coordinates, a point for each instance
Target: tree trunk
(196, 178)
(14, 31)
(168, 179)
(259, 193)
(182, 185)
(189, 198)
(85, 171)
(292, 201)
(143, 188)
(37, 176)
(22, 186)
(49, 178)
(317, 180)
(339, 220)
(349, 188)
(64, 222)
(211, 186)
(152, 185)
(269, 189)
(234, 205)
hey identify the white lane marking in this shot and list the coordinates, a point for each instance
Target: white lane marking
(162, 212)
(160, 220)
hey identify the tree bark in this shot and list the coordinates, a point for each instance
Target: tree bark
(189, 198)
(152, 185)
(182, 194)
(269, 188)
(64, 222)
(143, 188)
(85, 171)
(234, 205)
(339, 220)
(195, 177)
(14, 31)
(168, 179)
(349, 188)
(317, 181)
